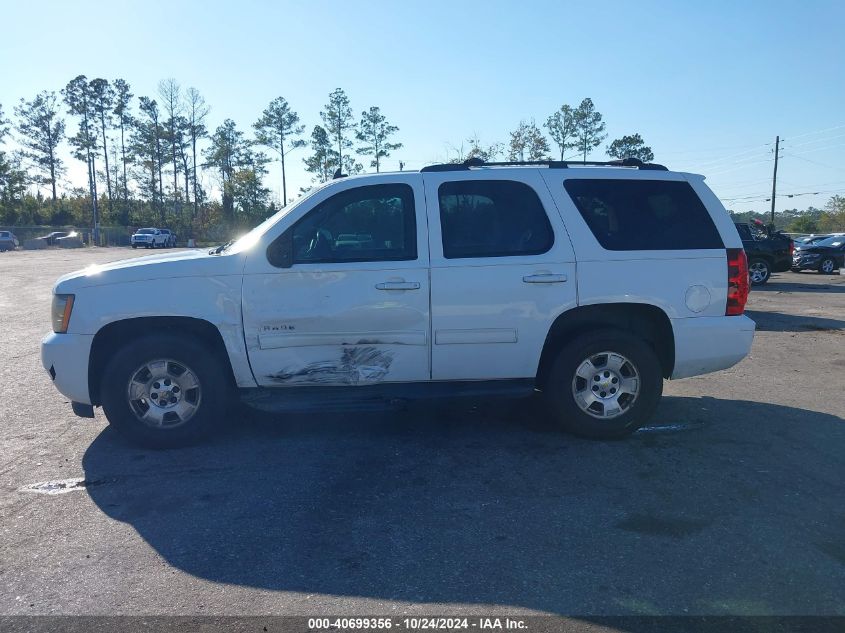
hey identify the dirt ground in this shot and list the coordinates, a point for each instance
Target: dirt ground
(731, 502)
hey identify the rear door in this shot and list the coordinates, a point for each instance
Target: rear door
(502, 269)
(352, 306)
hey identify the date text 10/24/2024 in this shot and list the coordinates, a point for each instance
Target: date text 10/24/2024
(417, 623)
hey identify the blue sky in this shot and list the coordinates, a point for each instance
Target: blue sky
(708, 85)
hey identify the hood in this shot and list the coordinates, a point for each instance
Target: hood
(192, 263)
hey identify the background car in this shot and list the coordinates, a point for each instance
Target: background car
(171, 237)
(767, 251)
(51, 238)
(8, 241)
(149, 238)
(824, 256)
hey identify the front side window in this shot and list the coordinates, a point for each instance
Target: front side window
(492, 218)
(366, 224)
(632, 215)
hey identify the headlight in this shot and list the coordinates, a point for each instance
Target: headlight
(62, 307)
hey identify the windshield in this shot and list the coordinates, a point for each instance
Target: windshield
(250, 239)
(836, 240)
(146, 231)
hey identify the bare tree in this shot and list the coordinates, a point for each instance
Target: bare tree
(196, 111)
(171, 100)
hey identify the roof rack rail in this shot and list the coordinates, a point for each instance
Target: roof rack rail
(551, 164)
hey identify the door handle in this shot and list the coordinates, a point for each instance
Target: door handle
(544, 278)
(398, 285)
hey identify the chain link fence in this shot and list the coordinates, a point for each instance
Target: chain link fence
(109, 235)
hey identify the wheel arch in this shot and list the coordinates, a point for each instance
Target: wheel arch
(111, 336)
(645, 320)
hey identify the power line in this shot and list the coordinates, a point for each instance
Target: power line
(814, 162)
(820, 140)
(830, 129)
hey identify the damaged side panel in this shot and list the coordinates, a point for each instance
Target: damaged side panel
(338, 328)
(356, 365)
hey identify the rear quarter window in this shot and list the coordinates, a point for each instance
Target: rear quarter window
(634, 215)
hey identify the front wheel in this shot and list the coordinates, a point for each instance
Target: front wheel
(759, 271)
(164, 391)
(604, 385)
(827, 266)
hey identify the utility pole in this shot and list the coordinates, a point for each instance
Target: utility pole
(775, 178)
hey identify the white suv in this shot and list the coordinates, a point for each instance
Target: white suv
(590, 284)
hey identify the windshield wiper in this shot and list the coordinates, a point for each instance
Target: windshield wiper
(221, 248)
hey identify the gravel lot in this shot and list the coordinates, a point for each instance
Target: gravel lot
(731, 503)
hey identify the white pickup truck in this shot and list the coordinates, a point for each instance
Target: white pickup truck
(588, 283)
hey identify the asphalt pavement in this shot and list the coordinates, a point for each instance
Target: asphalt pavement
(731, 502)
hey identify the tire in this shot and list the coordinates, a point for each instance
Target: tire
(164, 367)
(134, 246)
(827, 266)
(632, 409)
(759, 271)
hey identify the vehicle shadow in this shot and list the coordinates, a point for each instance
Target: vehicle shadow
(780, 322)
(795, 284)
(716, 503)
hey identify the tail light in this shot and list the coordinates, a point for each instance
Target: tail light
(738, 282)
(791, 248)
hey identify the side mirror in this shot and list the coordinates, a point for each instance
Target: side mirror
(280, 252)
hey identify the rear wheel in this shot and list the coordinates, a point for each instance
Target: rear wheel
(759, 271)
(164, 391)
(827, 266)
(604, 385)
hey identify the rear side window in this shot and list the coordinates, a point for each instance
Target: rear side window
(492, 218)
(744, 232)
(634, 215)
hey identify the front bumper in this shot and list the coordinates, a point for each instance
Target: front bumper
(707, 344)
(806, 263)
(65, 357)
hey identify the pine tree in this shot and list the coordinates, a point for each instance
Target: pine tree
(102, 97)
(122, 99)
(277, 129)
(338, 120)
(375, 131)
(589, 126)
(41, 130)
(224, 156)
(631, 146)
(77, 95)
(323, 159)
(562, 129)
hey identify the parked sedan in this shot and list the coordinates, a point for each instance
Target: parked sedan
(8, 241)
(51, 238)
(825, 256)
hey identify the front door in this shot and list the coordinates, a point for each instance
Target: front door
(352, 305)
